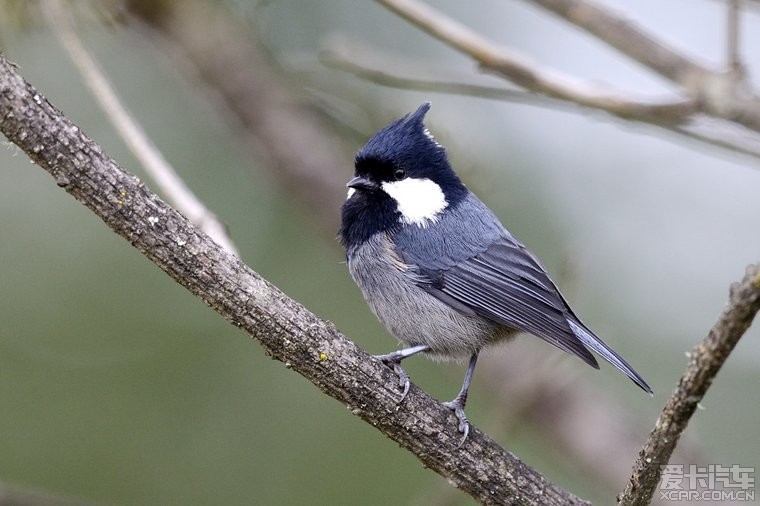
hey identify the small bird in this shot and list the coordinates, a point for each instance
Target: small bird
(438, 268)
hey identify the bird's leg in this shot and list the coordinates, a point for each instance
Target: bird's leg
(394, 359)
(457, 405)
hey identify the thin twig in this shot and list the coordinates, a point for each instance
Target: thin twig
(134, 136)
(726, 136)
(705, 360)
(287, 331)
(341, 61)
(733, 34)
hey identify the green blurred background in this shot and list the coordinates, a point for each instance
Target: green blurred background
(119, 387)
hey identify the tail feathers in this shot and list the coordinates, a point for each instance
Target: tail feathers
(599, 346)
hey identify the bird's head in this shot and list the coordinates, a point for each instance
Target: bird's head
(402, 177)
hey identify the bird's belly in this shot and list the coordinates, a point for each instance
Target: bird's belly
(411, 314)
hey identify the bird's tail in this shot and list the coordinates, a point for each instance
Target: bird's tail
(589, 339)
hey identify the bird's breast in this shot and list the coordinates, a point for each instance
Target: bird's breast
(410, 313)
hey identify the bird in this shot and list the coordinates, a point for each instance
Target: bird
(439, 270)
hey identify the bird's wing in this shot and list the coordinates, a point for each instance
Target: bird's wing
(469, 261)
(480, 269)
(506, 284)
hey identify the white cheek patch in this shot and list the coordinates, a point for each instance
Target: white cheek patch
(351, 192)
(419, 200)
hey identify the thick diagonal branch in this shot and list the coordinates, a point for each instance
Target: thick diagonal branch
(287, 331)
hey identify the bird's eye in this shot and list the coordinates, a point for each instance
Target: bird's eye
(399, 174)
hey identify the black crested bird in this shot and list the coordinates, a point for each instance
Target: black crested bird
(437, 267)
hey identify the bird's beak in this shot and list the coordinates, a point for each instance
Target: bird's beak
(362, 183)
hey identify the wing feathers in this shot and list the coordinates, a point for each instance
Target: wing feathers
(513, 303)
(481, 269)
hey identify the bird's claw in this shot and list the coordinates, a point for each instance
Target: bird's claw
(394, 361)
(464, 424)
(403, 381)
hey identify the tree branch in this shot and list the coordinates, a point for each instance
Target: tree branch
(519, 70)
(733, 36)
(718, 133)
(725, 95)
(705, 360)
(352, 58)
(287, 331)
(628, 38)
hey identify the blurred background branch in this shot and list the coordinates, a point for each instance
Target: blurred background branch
(162, 173)
(306, 154)
(517, 69)
(733, 36)
(725, 95)
(630, 39)
(14, 495)
(338, 55)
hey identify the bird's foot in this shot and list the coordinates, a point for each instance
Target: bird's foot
(457, 406)
(394, 361)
